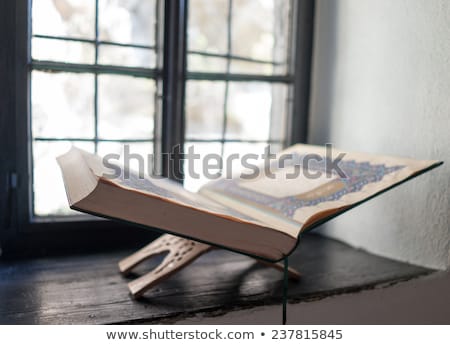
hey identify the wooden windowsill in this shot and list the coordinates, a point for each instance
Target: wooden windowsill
(88, 289)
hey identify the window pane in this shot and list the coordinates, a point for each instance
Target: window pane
(234, 153)
(62, 105)
(259, 30)
(49, 192)
(125, 56)
(67, 105)
(256, 111)
(67, 18)
(196, 171)
(199, 63)
(207, 26)
(204, 109)
(143, 149)
(63, 51)
(126, 106)
(128, 21)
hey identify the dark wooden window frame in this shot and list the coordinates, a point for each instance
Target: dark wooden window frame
(20, 233)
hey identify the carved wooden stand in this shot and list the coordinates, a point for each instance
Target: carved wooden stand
(180, 253)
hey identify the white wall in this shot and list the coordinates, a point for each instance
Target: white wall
(381, 83)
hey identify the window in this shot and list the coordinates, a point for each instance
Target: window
(93, 70)
(153, 74)
(237, 92)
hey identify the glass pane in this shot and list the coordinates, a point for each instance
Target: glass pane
(256, 111)
(279, 119)
(125, 56)
(126, 106)
(62, 105)
(200, 171)
(199, 63)
(204, 109)
(234, 156)
(67, 18)
(207, 26)
(127, 21)
(49, 192)
(141, 149)
(260, 30)
(64, 51)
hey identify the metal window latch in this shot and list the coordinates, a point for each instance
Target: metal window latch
(12, 182)
(13, 178)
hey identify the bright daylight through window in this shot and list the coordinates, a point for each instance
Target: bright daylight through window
(94, 81)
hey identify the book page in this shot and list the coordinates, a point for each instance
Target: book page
(312, 185)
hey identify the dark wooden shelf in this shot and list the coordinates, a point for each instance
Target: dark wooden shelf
(87, 289)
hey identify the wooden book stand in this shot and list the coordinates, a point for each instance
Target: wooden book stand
(180, 253)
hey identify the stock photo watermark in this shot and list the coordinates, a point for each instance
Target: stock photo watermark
(214, 166)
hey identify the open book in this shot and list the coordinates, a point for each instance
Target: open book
(262, 216)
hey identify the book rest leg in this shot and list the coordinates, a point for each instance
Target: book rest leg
(180, 252)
